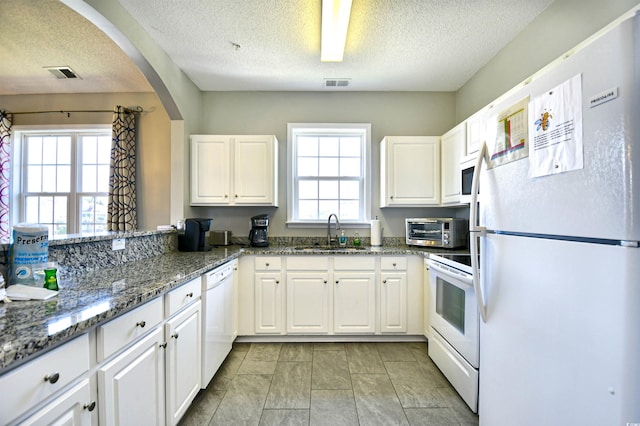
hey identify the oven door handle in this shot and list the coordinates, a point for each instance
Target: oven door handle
(477, 231)
(468, 280)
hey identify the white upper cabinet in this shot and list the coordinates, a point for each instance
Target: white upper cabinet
(410, 171)
(454, 146)
(476, 131)
(234, 170)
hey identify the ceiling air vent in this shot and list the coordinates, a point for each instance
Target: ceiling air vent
(336, 82)
(62, 72)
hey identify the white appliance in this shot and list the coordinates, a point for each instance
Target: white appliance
(218, 326)
(559, 288)
(453, 314)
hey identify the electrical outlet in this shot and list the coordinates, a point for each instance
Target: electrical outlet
(118, 244)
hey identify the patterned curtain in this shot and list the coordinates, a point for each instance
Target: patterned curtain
(6, 120)
(121, 213)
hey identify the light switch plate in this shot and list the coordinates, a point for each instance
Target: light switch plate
(118, 244)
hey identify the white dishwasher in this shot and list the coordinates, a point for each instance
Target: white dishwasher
(217, 318)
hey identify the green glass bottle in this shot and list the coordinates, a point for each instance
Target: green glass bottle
(50, 279)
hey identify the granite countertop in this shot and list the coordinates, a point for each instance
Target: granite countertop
(84, 301)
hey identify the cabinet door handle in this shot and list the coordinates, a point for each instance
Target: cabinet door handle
(391, 197)
(141, 324)
(175, 335)
(90, 406)
(277, 282)
(163, 345)
(190, 294)
(52, 378)
(226, 196)
(384, 281)
(337, 281)
(236, 195)
(394, 264)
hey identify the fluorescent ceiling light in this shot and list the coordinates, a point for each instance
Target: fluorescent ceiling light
(335, 21)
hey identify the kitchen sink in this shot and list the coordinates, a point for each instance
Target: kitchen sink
(327, 248)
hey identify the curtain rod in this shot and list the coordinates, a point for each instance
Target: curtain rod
(136, 109)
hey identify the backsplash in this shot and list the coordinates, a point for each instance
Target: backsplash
(77, 255)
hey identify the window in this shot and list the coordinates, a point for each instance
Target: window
(329, 173)
(64, 179)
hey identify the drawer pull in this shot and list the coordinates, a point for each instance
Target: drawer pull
(190, 294)
(394, 264)
(90, 406)
(141, 324)
(325, 281)
(52, 378)
(266, 264)
(175, 335)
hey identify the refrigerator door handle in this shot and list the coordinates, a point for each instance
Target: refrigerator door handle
(477, 231)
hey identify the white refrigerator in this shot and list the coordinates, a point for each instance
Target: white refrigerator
(559, 261)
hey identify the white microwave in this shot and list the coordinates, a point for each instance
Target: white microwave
(467, 168)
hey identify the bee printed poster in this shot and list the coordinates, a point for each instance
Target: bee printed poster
(555, 126)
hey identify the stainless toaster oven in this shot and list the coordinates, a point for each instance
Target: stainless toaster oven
(437, 232)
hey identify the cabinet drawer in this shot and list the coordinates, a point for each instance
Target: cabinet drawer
(182, 296)
(268, 263)
(390, 263)
(354, 263)
(30, 384)
(118, 333)
(307, 263)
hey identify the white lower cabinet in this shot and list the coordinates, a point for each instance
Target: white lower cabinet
(393, 295)
(183, 363)
(427, 289)
(44, 381)
(354, 302)
(72, 408)
(131, 387)
(308, 302)
(339, 294)
(268, 303)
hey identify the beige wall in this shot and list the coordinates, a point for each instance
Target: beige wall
(390, 113)
(153, 168)
(563, 25)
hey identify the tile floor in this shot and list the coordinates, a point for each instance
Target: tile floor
(329, 384)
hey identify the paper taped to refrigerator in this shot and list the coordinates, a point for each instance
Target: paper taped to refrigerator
(510, 139)
(555, 120)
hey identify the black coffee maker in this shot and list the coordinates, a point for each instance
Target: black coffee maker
(194, 237)
(258, 233)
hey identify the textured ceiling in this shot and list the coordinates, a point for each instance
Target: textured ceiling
(431, 45)
(415, 45)
(41, 33)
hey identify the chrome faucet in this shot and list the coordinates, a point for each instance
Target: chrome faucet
(329, 239)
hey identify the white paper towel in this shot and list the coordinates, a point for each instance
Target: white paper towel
(376, 233)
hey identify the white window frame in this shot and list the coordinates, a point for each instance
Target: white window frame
(294, 129)
(17, 206)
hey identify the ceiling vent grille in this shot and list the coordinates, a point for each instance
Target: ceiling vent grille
(336, 82)
(62, 72)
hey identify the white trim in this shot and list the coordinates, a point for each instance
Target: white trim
(18, 169)
(367, 176)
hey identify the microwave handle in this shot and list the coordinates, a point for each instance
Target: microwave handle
(477, 231)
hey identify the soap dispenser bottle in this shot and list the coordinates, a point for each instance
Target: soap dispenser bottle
(343, 239)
